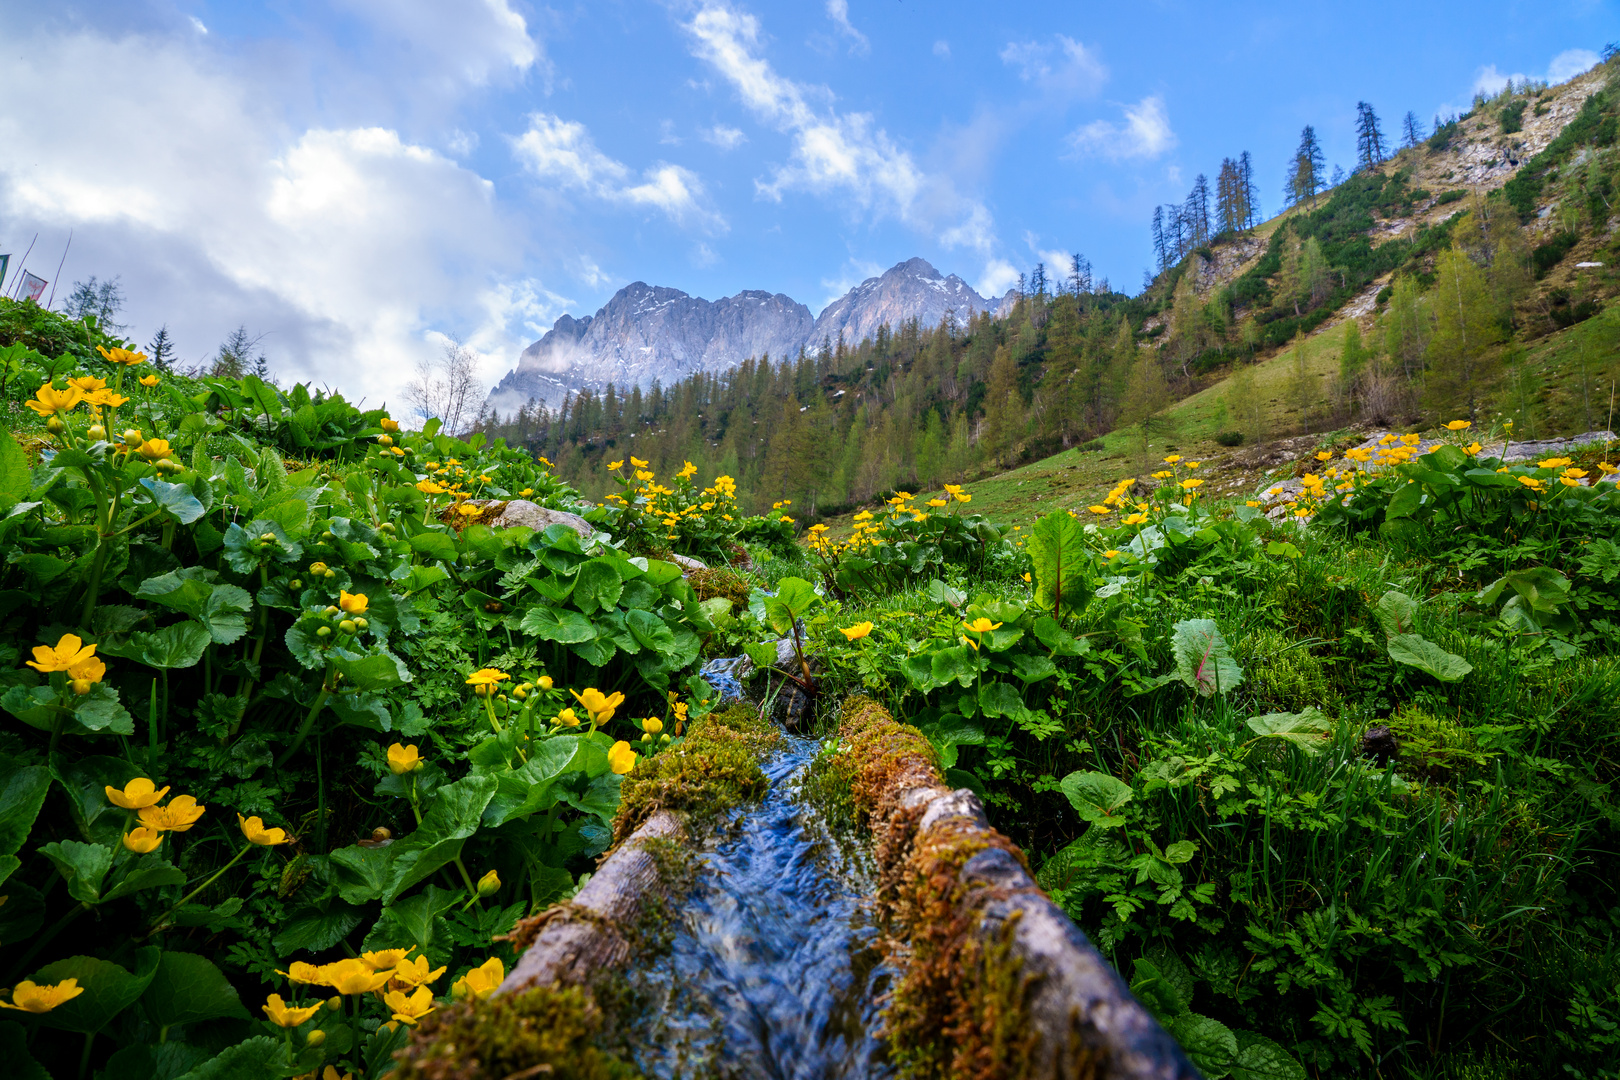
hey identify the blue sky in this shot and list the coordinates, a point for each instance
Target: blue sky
(359, 180)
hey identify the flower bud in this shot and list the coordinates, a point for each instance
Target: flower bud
(133, 436)
(317, 568)
(664, 738)
(545, 682)
(335, 1003)
(328, 535)
(652, 725)
(295, 584)
(323, 631)
(81, 687)
(646, 736)
(489, 884)
(267, 538)
(347, 626)
(387, 527)
(316, 1037)
(385, 440)
(361, 623)
(331, 609)
(95, 433)
(329, 575)
(55, 426)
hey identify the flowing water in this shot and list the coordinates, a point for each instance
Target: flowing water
(773, 972)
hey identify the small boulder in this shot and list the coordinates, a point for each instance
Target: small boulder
(687, 563)
(537, 517)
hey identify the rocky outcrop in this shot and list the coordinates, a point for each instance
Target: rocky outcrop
(647, 332)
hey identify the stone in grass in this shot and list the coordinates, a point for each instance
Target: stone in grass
(534, 516)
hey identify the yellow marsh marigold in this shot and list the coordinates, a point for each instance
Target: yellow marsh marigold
(1555, 462)
(1099, 509)
(289, 1016)
(567, 718)
(86, 673)
(598, 704)
(938, 502)
(408, 1010)
(106, 399)
(856, 632)
(403, 759)
(125, 357)
(253, 828)
(687, 472)
(1472, 448)
(417, 972)
(982, 625)
(385, 959)
(1190, 484)
(34, 998)
(137, 794)
(621, 758)
(68, 651)
(180, 815)
(962, 497)
(352, 603)
(480, 982)
(487, 677)
(143, 839)
(637, 462)
(652, 725)
(154, 449)
(301, 972)
(1110, 553)
(49, 401)
(353, 976)
(1172, 459)
(1459, 425)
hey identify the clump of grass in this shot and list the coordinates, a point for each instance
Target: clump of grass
(713, 770)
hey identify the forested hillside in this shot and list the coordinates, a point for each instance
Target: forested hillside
(1440, 261)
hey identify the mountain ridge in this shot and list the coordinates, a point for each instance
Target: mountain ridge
(653, 332)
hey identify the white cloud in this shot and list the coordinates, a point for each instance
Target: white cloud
(844, 154)
(726, 138)
(998, 276)
(704, 256)
(1570, 63)
(666, 133)
(562, 152)
(1144, 134)
(1063, 69)
(942, 49)
(1057, 262)
(472, 42)
(462, 143)
(349, 246)
(838, 12)
(197, 24)
(851, 274)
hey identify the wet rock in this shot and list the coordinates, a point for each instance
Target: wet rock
(537, 517)
(1381, 743)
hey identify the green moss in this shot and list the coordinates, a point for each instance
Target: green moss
(1286, 673)
(550, 1032)
(714, 769)
(720, 581)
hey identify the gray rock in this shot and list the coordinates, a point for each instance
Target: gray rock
(686, 562)
(537, 517)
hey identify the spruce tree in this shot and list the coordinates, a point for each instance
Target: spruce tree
(160, 349)
(1305, 176)
(1251, 194)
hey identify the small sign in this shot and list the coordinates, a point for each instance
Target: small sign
(33, 286)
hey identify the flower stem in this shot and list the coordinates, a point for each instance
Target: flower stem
(158, 923)
(309, 721)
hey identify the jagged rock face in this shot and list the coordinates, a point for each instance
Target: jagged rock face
(648, 332)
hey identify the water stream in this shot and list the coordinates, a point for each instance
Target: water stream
(773, 971)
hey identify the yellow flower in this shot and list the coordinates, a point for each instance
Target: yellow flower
(385, 959)
(416, 972)
(652, 725)
(125, 357)
(353, 976)
(31, 997)
(856, 632)
(352, 603)
(616, 465)
(68, 651)
(637, 462)
(1530, 482)
(403, 759)
(408, 1010)
(1194, 464)
(428, 487)
(1172, 459)
(1568, 481)
(154, 449)
(179, 816)
(545, 682)
(1324, 455)
(142, 839)
(1251, 502)
(487, 677)
(488, 885)
(1605, 468)
(598, 704)
(621, 758)
(300, 972)
(1135, 519)
(106, 398)
(1026, 578)
(982, 625)
(137, 794)
(687, 472)
(938, 502)
(1472, 448)
(567, 718)
(1555, 462)
(1459, 425)
(1163, 474)
(480, 982)
(289, 1016)
(88, 384)
(1190, 484)
(253, 828)
(962, 496)
(1099, 509)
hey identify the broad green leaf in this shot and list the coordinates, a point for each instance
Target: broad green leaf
(1203, 661)
(151, 872)
(1096, 796)
(1062, 566)
(16, 480)
(794, 598)
(452, 816)
(1258, 1058)
(1395, 613)
(958, 662)
(558, 624)
(941, 593)
(1309, 730)
(1423, 654)
(1163, 998)
(177, 499)
(319, 927)
(83, 866)
(1059, 640)
(1032, 668)
(226, 616)
(100, 710)
(1208, 1043)
(86, 779)
(597, 585)
(527, 789)
(762, 654)
(34, 706)
(650, 631)
(1404, 502)
(187, 989)
(22, 793)
(258, 1058)
(379, 670)
(413, 920)
(177, 646)
(361, 873)
(435, 545)
(108, 989)
(1000, 699)
(154, 1061)
(20, 1064)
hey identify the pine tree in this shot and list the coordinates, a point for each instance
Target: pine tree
(160, 349)
(1160, 252)
(1370, 146)
(1305, 176)
(1411, 130)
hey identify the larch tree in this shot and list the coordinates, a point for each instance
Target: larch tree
(1305, 175)
(1251, 193)
(1465, 325)
(1002, 406)
(1370, 146)
(1160, 250)
(1411, 130)
(1146, 393)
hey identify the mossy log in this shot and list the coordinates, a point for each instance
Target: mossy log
(995, 980)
